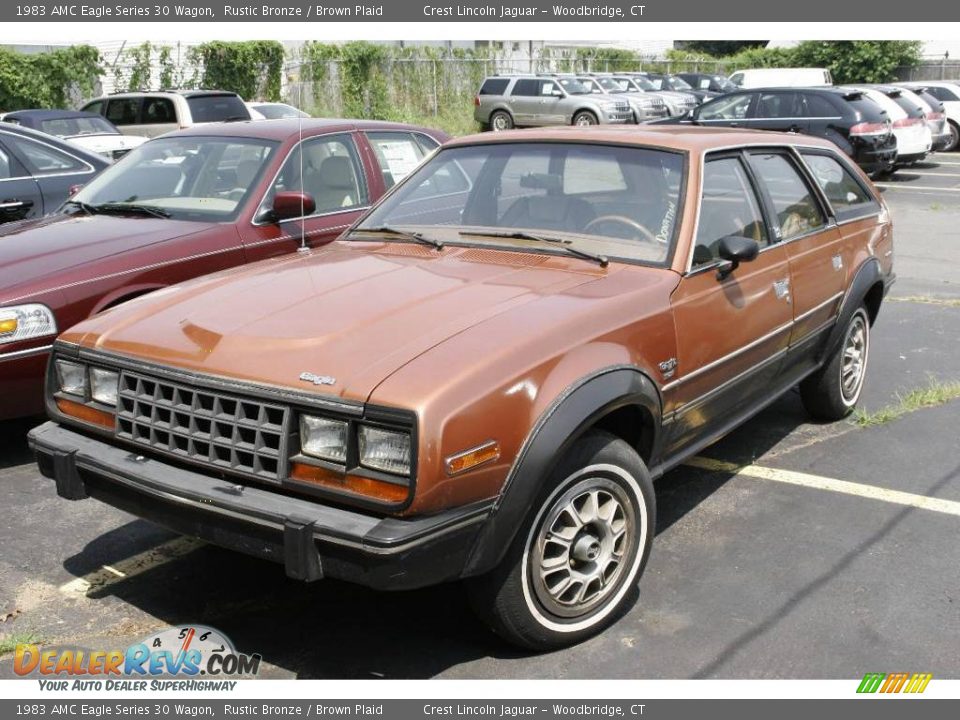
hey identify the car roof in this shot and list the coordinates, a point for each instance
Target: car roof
(51, 114)
(683, 138)
(283, 128)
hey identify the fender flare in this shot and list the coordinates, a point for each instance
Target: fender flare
(867, 276)
(568, 417)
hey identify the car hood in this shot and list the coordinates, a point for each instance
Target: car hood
(47, 253)
(353, 312)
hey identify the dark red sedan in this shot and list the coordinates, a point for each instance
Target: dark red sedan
(184, 205)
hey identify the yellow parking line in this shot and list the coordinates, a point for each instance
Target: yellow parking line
(790, 477)
(131, 566)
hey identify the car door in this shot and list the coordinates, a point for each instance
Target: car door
(124, 112)
(53, 170)
(158, 115)
(732, 110)
(732, 330)
(525, 101)
(20, 195)
(780, 110)
(550, 111)
(814, 245)
(341, 184)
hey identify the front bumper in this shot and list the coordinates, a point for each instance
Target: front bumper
(311, 540)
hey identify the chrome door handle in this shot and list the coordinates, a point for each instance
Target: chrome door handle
(837, 262)
(781, 288)
(10, 204)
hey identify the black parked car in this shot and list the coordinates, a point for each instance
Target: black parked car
(856, 124)
(38, 170)
(665, 81)
(719, 84)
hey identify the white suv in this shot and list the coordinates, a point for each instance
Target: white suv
(949, 94)
(154, 113)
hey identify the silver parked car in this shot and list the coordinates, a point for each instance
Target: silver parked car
(645, 106)
(508, 101)
(678, 103)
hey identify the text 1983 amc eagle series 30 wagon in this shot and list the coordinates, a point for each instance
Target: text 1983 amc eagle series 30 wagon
(481, 379)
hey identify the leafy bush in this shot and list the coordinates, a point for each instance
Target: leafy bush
(252, 69)
(869, 61)
(56, 79)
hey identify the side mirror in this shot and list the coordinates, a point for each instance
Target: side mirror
(735, 249)
(287, 205)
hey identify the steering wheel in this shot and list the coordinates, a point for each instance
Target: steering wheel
(643, 233)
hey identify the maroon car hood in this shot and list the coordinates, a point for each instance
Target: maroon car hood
(50, 252)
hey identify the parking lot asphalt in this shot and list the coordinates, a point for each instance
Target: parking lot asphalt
(789, 549)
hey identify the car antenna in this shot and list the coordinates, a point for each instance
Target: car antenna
(304, 248)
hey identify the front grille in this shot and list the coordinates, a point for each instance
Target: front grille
(224, 431)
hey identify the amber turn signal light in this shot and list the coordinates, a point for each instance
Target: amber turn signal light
(376, 489)
(86, 413)
(469, 459)
(8, 325)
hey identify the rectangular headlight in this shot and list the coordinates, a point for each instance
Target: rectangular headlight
(323, 438)
(72, 378)
(386, 450)
(103, 386)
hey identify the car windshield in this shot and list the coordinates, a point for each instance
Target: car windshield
(72, 126)
(573, 87)
(217, 108)
(656, 83)
(616, 201)
(724, 83)
(676, 83)
(202, 178)
(610, 85)
(276, 111)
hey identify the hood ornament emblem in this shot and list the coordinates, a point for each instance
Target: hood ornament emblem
(317, 379)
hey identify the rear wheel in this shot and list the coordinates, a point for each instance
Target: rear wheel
(585, 118)
(501, 120)
(832, 392)
(954, 137)
(573, 566)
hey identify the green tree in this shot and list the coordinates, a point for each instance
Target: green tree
(718, 48)
(57, 79)
(252, 69)
(869, 61)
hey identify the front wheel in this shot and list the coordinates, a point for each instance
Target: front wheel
(501, 120)
(832, 392)
(954, 137)
(573, 567)
(585, 118)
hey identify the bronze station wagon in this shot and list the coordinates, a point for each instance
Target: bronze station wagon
(481, 378)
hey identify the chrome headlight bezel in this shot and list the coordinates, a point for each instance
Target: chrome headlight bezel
(32, 320)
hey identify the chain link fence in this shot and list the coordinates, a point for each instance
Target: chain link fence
(939, 68)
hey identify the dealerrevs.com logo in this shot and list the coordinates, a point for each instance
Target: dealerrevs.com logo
(185, 654)
(894, 683)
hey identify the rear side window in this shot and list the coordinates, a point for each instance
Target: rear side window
(217, 108)
(868, 109)
(45, 160)
(845, 193)
(494, 86)
(95, 107)
(818, 106)
(793, 200)
(398, 154)
(123, 111)
(942, 93)
(158, 111)
(9, 167)
(779, 105)
(526, 88)
(729, 206)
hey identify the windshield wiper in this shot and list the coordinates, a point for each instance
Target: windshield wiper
(565, 245)
(404, 234)
(86, 207)
(122, 207)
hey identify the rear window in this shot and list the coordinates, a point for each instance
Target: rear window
(217, 108)
(909, 105)
(494, 86)
(867, 108)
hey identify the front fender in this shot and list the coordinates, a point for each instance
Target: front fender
(567, 418)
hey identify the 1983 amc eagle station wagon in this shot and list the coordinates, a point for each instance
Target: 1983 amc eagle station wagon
(481, 378)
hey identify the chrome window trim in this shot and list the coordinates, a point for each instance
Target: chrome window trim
(259, 203)
(688, 269)
(90, 168)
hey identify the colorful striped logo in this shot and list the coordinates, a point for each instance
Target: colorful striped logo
(894, 682)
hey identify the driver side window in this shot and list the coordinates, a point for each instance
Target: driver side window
(734, 107)
(728, 206)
